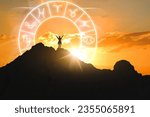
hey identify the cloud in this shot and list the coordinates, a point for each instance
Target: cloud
(6, 37)
(3, 36)
(115, 41)
(7, 40)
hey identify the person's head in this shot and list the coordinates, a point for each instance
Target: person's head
(59, 37)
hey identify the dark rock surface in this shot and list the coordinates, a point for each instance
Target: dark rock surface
(43, 73)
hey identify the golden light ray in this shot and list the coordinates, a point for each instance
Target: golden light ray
(73, 61)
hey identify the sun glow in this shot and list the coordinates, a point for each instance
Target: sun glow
(78, 53)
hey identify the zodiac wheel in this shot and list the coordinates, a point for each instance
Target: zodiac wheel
(59, 9)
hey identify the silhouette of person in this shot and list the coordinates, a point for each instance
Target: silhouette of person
(59, 41)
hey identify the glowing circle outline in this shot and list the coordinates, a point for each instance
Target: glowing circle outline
(46, 3)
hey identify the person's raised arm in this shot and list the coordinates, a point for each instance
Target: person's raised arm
(62, 36)
(57, 36)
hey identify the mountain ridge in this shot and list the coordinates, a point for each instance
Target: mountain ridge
(46, 73)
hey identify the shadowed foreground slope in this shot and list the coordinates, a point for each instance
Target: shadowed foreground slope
(43, 73)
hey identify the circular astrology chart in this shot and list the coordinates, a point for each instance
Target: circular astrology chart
(59, 9)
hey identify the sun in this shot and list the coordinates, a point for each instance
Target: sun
(78, 53)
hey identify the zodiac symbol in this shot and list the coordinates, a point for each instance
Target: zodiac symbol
(41, 13)
(88, 40)
(73, 12)
(57, 7)
(27, 39)
(84, 24)
(30, 26)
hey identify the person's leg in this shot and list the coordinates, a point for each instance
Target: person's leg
(59, 45)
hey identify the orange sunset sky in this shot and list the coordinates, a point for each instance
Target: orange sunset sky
(123, 28)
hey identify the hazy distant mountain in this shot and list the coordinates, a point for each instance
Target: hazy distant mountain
(43, 73)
